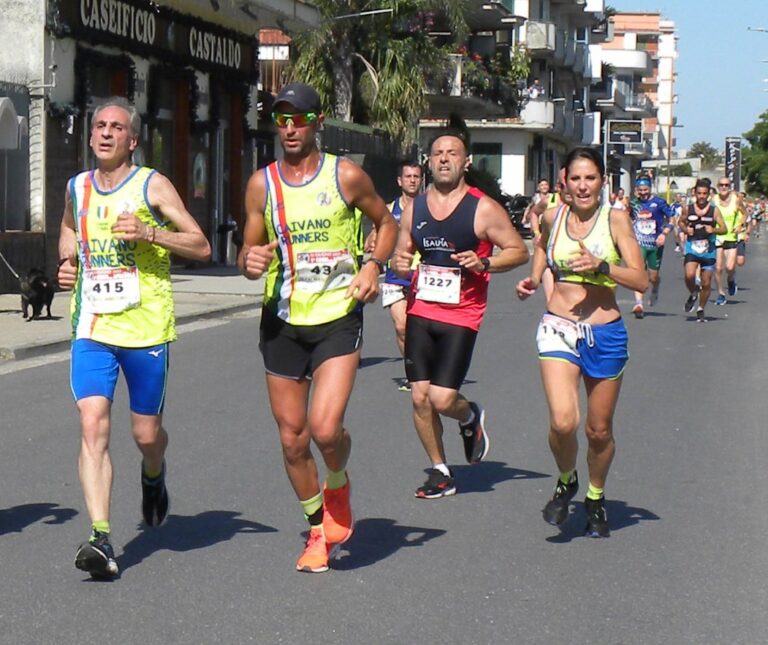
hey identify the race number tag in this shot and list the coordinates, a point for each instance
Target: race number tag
(391, 293)
(646, 226)
(439, 284)
(700, 247)
(110, 291)
(319, 271)
(557, 334)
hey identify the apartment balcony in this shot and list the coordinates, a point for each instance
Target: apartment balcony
(540, 37)
(467, 87)
(639, 105)
(636, 61)
(538, 114)
(491, 15)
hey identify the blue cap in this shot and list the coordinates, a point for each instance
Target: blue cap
(643, 181)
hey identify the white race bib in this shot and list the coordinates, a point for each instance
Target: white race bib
(319, 271)
(557, 334)
(391, 293)
(700, 247)
(110, 291)
(439, 284)
(646, 226)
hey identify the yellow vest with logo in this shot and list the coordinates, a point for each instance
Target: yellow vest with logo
(152, 321)
(730, 211)
(561, 247)
(315, 260)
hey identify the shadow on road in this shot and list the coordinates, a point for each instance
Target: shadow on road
(17, 518)
(376, 538)
(657, 314)
(370, 361)
(187, 533)
(483, 477)
(620, 516)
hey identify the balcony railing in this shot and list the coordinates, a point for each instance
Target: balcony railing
(469, 79)
(538, 113)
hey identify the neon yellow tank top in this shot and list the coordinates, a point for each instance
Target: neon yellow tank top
(730, 212)
(315, 258)
(123, 291)
(561, 247)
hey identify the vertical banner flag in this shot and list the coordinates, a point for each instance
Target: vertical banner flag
(733, 161)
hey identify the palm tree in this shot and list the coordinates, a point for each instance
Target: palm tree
(372, 68)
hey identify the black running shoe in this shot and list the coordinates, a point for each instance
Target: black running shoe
(691, 302)
(597, 522)
(404, 385)
(437, 485)
(476, 442)
(556, 510)
(733, 288)
(97, 557)
(700, 316)
(154, 499)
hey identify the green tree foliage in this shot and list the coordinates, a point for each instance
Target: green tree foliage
(681, 170)
(372, 69)
(754, 158)
(710, 157)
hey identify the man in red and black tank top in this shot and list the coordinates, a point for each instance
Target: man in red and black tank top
(454, 228)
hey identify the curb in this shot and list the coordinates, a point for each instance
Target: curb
(51, 347)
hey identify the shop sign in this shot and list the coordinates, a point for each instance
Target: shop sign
(145, 28)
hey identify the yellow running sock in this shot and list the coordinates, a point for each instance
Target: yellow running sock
(102, 526)
(151, 475)
(312, 505)
(593, 492)
(334, 481)
(566, 476)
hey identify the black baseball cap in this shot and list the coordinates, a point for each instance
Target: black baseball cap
(300, 96)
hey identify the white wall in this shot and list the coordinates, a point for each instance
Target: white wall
(514, 152)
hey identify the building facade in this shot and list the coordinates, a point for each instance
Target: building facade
(189, 66)
(521, 131)
(638, 66)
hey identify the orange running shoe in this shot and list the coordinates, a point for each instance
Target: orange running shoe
(315, 556)
(338, 522)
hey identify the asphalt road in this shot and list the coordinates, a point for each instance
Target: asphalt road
(687, 500)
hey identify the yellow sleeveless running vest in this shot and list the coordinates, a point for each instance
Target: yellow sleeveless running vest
(315, 259)
(730, 212)
(561, 248)
(150, 321)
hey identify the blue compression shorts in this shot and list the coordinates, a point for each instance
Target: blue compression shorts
(601, 353)
(95, 366)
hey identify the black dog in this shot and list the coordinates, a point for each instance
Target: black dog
(36, 292)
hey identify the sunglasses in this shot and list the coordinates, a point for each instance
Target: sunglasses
(723, 185)
(298, 120)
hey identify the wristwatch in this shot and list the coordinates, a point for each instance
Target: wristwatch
(379, 263)
(603, 267)
(486, 262)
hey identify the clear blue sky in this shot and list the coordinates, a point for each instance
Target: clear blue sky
(720, 76)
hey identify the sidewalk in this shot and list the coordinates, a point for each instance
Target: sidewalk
(200, 293)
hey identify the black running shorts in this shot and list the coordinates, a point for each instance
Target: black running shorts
(296, 351)
(437, 352)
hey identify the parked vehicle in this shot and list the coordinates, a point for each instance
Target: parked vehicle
(516, 208)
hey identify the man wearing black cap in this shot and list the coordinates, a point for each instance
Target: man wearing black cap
(300, 233)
